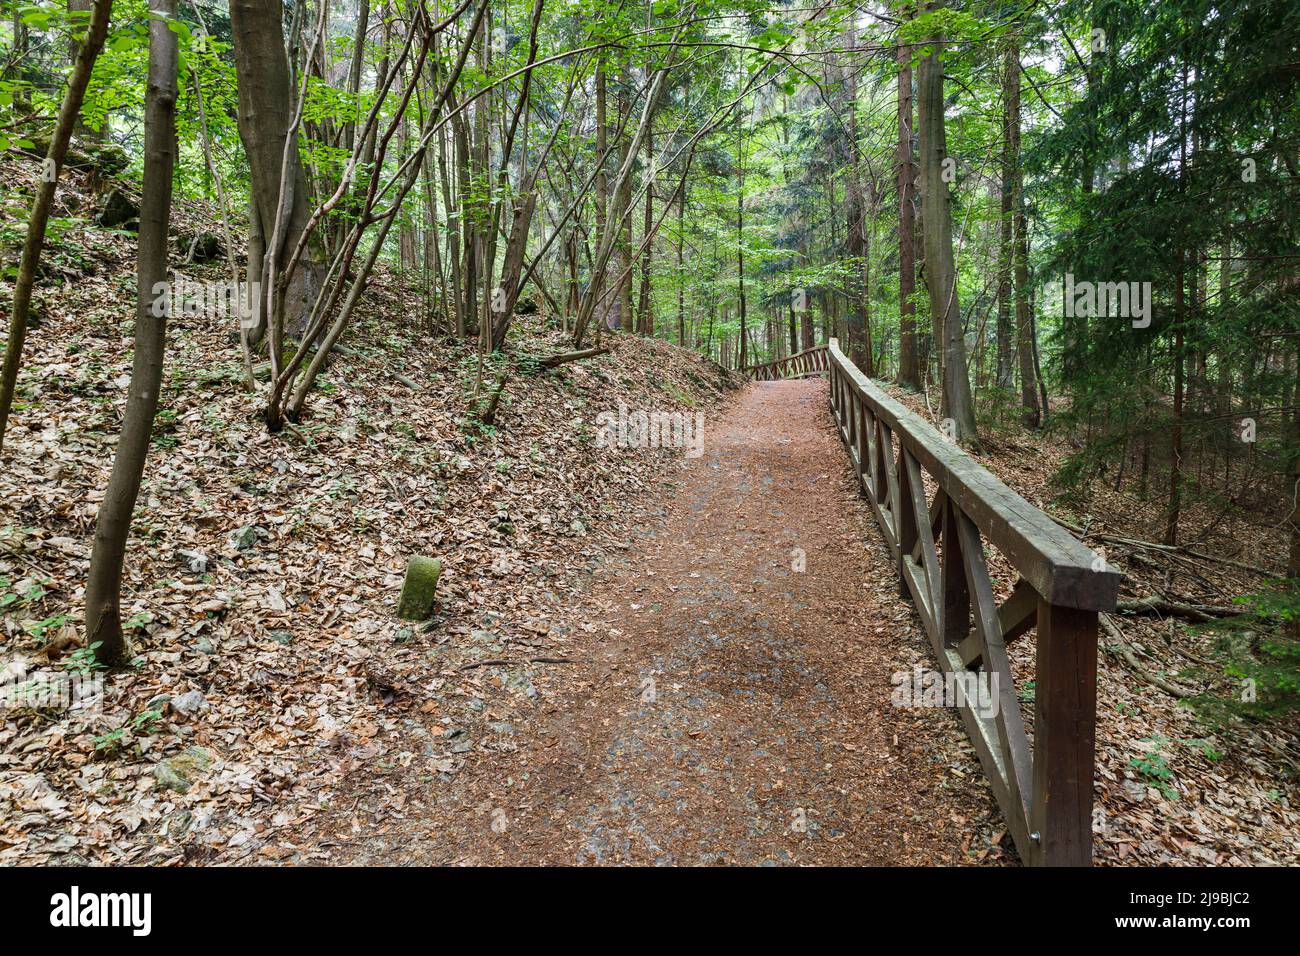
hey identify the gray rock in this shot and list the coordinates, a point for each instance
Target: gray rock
(245, 538)
(120, 210)
(180, 772)
(190, 703)
(196, 561)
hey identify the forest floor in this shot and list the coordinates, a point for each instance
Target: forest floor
(727, 694)
(715, 704)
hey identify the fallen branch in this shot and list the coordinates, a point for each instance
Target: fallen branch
(1125, 651)
(1167, 548)
(1192, 612)
(501, 661)
(560, 358)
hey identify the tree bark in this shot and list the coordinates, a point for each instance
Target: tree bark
(940, 268)
(645, 307)
(264, 115)
(113, 525)
(1006, 230)
(1026, 340)
(909, 364)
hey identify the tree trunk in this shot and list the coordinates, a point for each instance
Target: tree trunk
(740, 261)
(681, 278)
(940, 269)
(1026, 341)
(113, 526)
(1293, 492)
(264, 115)
(44, 201)
(645, 308)
(1174, 509)
(1006, 237)
(596, 284)
(909, 359)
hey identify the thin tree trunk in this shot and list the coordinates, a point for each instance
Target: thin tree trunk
(113, 526)
(645, 307)
(740, 262)
(681, 278)
(1006, 230)
(1175, 505)
(44, 201)
(1026, 341)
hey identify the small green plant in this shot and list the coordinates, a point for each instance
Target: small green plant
(678, 396)
(21, 594)
(106, 745)
(345, 487)
(1259, 654)
(82, 660)
(1154, 766)
(143, 722)
(38, 629)
(1204, 748)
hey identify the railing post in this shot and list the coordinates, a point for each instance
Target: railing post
(1065, 717)
(954, 608)
(883, 451)
(905, 516)
(865, 424)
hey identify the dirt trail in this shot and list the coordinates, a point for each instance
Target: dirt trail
(726, 707)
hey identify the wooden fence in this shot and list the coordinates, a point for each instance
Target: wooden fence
(1044, 790)
(814, 361)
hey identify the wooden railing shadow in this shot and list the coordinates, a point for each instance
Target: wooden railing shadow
(1044, 790)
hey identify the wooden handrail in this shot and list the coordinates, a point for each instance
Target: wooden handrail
(1045, 792)
(813, 361)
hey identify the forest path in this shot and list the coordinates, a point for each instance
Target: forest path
(769, 737)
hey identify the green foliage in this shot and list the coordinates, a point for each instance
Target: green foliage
(1154, 766)
(82, 661)
(1259, 655)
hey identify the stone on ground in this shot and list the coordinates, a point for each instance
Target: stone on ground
(416, 602)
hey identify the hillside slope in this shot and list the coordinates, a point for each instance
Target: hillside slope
(263, 570)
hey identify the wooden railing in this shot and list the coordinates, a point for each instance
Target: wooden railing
(813, 361)
(1045, 791)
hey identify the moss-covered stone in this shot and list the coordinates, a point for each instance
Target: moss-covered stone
(416, 602)
(181, 771)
